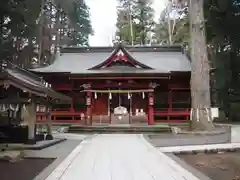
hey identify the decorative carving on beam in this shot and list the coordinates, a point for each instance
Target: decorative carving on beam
(120, 77)
(153, 85)
(119, 91)
(86, 86)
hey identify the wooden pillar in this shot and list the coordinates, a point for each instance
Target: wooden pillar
(71, 106)
(170, 93)
(151, 109)
(72, 102)
(89, 108)
(49, 135)
(30, 120)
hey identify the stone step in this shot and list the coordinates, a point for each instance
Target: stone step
(120, 128)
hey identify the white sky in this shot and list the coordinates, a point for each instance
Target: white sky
(104, 16)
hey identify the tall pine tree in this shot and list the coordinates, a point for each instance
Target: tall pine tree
(81, 24)
(144, 18)
(135, 21)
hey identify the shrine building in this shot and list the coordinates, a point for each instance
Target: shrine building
(121, 84)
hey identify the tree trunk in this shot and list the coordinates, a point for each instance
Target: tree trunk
(40, 29)
(200, 77)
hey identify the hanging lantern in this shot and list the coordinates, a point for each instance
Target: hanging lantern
(95, 95)
(143, 95)
(110, 95)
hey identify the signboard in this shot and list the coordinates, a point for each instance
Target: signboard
(88, 101)
(151, 101)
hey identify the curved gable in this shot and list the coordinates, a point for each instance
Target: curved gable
(120, 56)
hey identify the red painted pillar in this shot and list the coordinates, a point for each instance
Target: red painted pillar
(71, 106)
(151, 120)
(170, 100)
(89, 108)
(72, 103)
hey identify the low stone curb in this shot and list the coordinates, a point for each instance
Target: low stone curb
(221, 130)
(207, 151)
(40, 147)
(35, 146)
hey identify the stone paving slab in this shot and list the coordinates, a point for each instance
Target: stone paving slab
(118, 157)
(199, 148)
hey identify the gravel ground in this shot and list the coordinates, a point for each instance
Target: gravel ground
(25, 169)
(224, 166)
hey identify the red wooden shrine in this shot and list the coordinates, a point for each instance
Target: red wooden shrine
(151, 83)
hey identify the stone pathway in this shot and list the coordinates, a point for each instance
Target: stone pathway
(118, 157)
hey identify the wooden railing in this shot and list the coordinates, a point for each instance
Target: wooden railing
(65, 114)
(182, 114)
(55, 115)
(41, 116)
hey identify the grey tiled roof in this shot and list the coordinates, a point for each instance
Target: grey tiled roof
(25, 80)
(78, 63)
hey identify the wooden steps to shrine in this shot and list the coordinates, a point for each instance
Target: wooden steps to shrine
(120, 128)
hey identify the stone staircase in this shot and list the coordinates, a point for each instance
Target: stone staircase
(138, 125)
(101, 124)
(104, 119)
(116, 128)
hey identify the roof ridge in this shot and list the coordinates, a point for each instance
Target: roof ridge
(95, 49)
